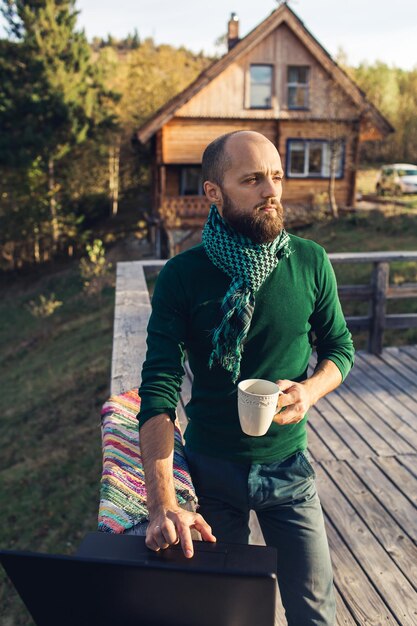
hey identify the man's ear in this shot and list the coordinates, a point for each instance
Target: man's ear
(213, 193)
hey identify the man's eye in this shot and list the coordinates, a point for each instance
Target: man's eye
(252, 179)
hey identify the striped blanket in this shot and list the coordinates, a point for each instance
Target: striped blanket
(123, 492)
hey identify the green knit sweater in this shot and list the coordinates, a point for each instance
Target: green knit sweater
(298, 298)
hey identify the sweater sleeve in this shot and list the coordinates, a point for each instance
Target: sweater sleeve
(333, 339)
(163, 368)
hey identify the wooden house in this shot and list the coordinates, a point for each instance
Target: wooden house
(277, 80)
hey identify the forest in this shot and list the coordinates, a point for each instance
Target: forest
(68, 111)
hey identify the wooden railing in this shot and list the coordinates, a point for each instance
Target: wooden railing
(377, 292)
(133, 309)
(176, 211)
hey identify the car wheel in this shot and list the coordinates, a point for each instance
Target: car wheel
(397, 190)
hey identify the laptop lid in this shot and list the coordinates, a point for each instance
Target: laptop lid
(114, 580)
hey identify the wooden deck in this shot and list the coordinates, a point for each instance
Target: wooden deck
(363, 439)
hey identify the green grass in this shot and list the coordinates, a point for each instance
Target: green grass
(55, 377)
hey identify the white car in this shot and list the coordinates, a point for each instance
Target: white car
(397, 178)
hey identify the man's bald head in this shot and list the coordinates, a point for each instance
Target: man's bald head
(216, 158)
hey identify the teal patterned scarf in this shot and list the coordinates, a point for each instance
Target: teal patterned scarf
(248, 264)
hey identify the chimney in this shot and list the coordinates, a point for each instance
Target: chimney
(232, 31)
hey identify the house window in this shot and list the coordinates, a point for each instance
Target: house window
(260, 86)
(298, 86)
(191, 181)
(313, 158)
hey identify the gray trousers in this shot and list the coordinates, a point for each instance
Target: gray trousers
(285, 499)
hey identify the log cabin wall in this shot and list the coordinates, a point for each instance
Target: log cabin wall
(184, 140)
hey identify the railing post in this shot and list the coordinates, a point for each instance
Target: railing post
(379, 283)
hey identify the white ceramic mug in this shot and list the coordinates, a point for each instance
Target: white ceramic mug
(257, 404)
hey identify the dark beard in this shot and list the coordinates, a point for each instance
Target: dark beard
(259, 226)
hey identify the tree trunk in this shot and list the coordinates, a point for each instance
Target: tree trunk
(53, 205)
(36, 246)
(114, 168)
(334, 209)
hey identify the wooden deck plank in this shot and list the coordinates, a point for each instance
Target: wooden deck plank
(377, 428)
(403, 358)
(390, 493)
(364, 441)
(331, 428)
(411, 351)
(386, 480)
(409, 462)
(316, 444)
(390, 374)
(394, 359)
(404, 405)
(378, 519)
(364, 601)
(354, 445)
(383, 404)
(343, 615)
(394, 588)
(403, 479)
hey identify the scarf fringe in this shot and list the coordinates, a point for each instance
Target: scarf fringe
(230, 335)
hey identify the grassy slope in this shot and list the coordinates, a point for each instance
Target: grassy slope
(55, 377)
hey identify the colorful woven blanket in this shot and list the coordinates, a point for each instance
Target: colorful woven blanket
(123, 492)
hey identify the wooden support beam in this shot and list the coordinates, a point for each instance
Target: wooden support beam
(379, 282)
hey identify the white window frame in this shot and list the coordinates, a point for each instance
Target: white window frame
(325, 158)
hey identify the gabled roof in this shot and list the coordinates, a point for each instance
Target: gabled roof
(283, 14)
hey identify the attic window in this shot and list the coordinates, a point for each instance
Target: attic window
(260, 86)
(298, 86)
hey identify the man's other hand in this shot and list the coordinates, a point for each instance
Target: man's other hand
(174, 526)
(293, 402)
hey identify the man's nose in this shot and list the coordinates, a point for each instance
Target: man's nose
(270, 188)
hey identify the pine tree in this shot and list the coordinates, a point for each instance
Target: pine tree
(56, 90)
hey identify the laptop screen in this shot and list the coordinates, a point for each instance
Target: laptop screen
(128, 585)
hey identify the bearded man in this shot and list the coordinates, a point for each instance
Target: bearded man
(245, 304)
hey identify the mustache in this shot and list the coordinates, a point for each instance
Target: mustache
(272, 202)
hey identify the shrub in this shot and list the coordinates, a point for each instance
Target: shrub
(95, 270)
(45, 307)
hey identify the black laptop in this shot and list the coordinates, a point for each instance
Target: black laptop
(114, 580)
